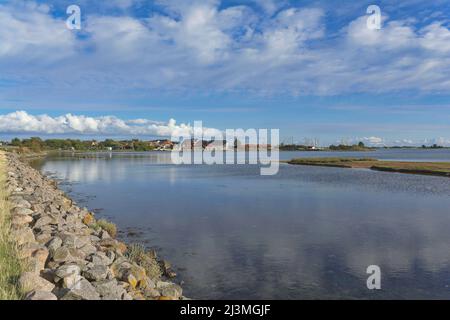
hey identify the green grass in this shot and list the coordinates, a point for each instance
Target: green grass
(10, 265)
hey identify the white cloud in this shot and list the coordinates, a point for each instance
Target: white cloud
(28, 30)
(200, 46)
(22, 122)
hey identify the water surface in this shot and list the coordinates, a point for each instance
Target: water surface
(306, 233)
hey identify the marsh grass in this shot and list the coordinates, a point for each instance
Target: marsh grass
(106, 225)
(137, 253)
(10, 265)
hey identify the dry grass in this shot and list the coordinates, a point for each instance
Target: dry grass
(138, 254)
(426, 168)
(10, 265)
(109, 227)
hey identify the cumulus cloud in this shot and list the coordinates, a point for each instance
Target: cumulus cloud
(22, 122)
(205, 46)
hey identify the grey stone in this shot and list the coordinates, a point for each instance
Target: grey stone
(40, 295)
(54, 244)
(82, 290)
(88, 249)
(99, 258)
(21, 211)
(30, 281)
(23, 235)
(109, 289)
(21, 203)
(62, 254)
(169, 289)
(96, 273)
(67, 270)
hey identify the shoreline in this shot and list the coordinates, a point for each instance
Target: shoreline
(441, 169)
(72, 256)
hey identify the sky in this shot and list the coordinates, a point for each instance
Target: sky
(312, 69)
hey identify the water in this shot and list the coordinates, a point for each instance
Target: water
(306, 233)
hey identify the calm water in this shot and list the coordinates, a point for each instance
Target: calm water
(308, 232)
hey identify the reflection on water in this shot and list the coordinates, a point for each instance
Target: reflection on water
(308, 232)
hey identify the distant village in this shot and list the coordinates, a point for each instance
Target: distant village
(37, 144)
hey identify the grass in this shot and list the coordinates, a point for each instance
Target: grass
(10, 265)
(109, 227)
(425, 168)
(101, 224)
(137, 253)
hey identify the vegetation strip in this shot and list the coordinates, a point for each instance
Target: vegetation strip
(68, 253)
(11, 266)
(424, 168)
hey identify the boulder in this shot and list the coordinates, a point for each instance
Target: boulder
(19, 220)
(67, 270)
(38, 259)
(22, 211)
(82, 290)
(23, 235)
(40, 295)
(21, 203)
(169, 289)
(109, 289)
(30, 281)
(54, 244)
(62, 254)
(96, 273)
(43, 221)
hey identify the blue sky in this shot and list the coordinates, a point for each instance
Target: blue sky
(310, 68)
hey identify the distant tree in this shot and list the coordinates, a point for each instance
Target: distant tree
(361, 144)
(16, 142)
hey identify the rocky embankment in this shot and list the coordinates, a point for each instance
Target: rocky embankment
(68, 256)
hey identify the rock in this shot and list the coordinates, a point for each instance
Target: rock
(54, 244)
(40, 295)
(49, 275)
(109, 289)
(38, 259)
(26, 250)
(43, 237)
(88, 249)
(132, 280)
(104, 235)
(88, 219)
(21, 211)
(62, 254)
(169, 289)
(99, 258)
(45, 220)
(74, 241)
(127, 296)
(21, 203)
(23, 235)
(82, 290)
(19, 220)
(96, 273)
(71, 281)
(30, 281)
(151, 293)
(166, 269)
(67, 270)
